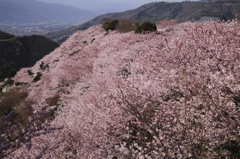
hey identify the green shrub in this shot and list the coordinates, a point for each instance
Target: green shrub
(108, 24)
(43, 66)
(105, 22)
(18, 83)
(30, 72)
(146, 27)
(122, 25)
(112, 25)
(37, 77)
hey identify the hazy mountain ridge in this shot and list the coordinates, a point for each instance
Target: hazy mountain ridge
(19, 52)
(100, 6)
(158, 11)
(32, 11)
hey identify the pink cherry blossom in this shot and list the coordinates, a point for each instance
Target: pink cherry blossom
(169, 94)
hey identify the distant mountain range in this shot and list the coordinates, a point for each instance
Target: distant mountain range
(158, 11)
(17, 52)
(99, 6)
(32, 11)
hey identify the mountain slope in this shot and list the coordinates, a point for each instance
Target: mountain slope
(32, 11)
(19, 52)
(139, 95)
(158, 11)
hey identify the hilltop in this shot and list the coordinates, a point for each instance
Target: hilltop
(174, 93)
(18, 52)
(4, 35)
(159, 11)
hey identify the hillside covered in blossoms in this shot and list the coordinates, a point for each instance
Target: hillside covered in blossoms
(174, 93)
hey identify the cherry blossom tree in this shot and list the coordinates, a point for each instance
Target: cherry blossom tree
(168, 94)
